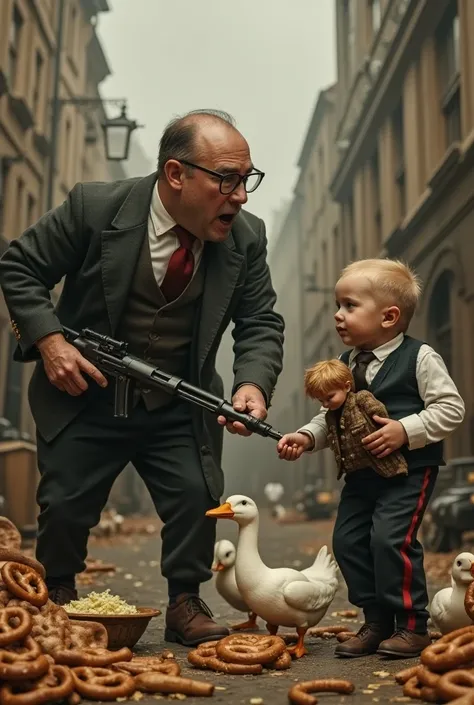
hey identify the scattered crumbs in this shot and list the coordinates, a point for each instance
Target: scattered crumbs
(220, 687)
(178, 696)
(256, 701)
(137, 696)
(368, 692)
(381, 674)
(128, 576)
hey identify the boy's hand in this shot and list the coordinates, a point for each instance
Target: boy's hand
(385, 440)
(293, 445)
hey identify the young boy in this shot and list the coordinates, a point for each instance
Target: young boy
(375, 535)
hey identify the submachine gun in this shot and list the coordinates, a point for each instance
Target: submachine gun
(111, 357)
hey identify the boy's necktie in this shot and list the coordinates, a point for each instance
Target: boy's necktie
(180, 266)
(363, 359)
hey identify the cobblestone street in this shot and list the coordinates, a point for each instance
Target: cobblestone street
(138, 580)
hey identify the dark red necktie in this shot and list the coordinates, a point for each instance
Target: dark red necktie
(180, 267)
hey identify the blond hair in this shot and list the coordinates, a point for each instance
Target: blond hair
(325, 376)
(392, 280)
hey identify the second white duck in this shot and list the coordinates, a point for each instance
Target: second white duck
(447, 606)
(226, 586)
(281, 596)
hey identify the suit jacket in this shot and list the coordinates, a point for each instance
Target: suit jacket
(345, 434)
(93, 240)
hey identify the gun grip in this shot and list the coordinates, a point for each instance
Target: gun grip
(124, 387)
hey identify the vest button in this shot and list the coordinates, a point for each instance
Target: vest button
(153, 336)
(205, 450)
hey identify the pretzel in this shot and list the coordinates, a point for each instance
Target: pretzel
(10, 554)
(102, 683)
(159, 683)
(10, 537)
(455, 684)
(91, 657)
(469, 601)
(148, 664)
(57, 684)
(282, 663)
(204, 657)
(452, 650)
(250, 648)
(23, 582)
(88, 635)
(15, 624)
(22, 660)
(326, 631)
(403, 676)
(413, 689)
(299, 693)
(427, 677)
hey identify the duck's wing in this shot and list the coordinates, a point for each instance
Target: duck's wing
(309, 596)
(439, 606)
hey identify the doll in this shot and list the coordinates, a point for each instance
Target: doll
(349, 419)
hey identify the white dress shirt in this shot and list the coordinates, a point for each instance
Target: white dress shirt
(444, 407)
(162, 242)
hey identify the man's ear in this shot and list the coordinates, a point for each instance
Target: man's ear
(391, 317)
(174, 173)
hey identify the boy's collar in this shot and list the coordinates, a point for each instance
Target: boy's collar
(383, 351)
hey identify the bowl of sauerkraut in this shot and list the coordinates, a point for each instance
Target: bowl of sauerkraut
(125, 623)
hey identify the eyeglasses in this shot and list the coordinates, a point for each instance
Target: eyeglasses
(230, 182)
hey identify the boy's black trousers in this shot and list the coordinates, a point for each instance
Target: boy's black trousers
(375, 544)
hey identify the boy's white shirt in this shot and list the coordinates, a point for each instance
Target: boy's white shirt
(444, 407)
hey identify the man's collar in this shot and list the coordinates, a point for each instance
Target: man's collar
(383, 351)
(162, 220)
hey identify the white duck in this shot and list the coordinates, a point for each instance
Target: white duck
(280, 596)
(447, 606)
(226, 586)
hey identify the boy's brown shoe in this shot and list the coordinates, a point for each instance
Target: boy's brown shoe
(404, 644)
(365, 642)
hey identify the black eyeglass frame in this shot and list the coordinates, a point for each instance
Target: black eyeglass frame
(221, 177)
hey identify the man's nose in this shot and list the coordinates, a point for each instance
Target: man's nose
(239, 195)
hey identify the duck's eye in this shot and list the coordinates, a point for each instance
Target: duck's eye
(459, 564)
(244, 502)
(227, 554)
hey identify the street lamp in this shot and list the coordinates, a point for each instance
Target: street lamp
(117, 133)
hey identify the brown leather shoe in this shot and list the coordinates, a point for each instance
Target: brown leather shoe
(61, 595)
(365, 642)
(404, 644)
(189, 622)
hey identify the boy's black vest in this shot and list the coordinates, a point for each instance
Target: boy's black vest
(395, 385)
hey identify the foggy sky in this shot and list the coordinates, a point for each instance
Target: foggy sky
(263, 61)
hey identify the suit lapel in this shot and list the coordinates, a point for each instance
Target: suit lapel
(121, 247)
(223, 265)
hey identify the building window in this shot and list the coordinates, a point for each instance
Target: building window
(399, 147)
(375, 15)
(31, 210)
(16, 25)
(447, 40)
(440, 324)
(375, 178)
(12, 406)
(38, 83)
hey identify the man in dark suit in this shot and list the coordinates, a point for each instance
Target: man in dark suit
(165, 263)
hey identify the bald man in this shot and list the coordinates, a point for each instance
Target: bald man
(164, 263)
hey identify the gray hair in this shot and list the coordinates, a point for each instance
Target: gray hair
(178, 138)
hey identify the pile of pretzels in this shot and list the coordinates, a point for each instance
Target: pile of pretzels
(241, 654)
(47, 658)
(446, 672)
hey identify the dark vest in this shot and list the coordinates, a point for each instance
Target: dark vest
(159, 332)
(395, 385)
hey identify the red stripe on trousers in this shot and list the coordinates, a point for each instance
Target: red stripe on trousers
(407, 565)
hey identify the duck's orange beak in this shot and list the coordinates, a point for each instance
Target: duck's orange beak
(222, 512)
(217, 567)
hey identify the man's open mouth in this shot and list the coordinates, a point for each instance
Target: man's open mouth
(227, 218)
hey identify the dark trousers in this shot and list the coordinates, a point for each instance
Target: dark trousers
(79, 467)
(375, 544)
